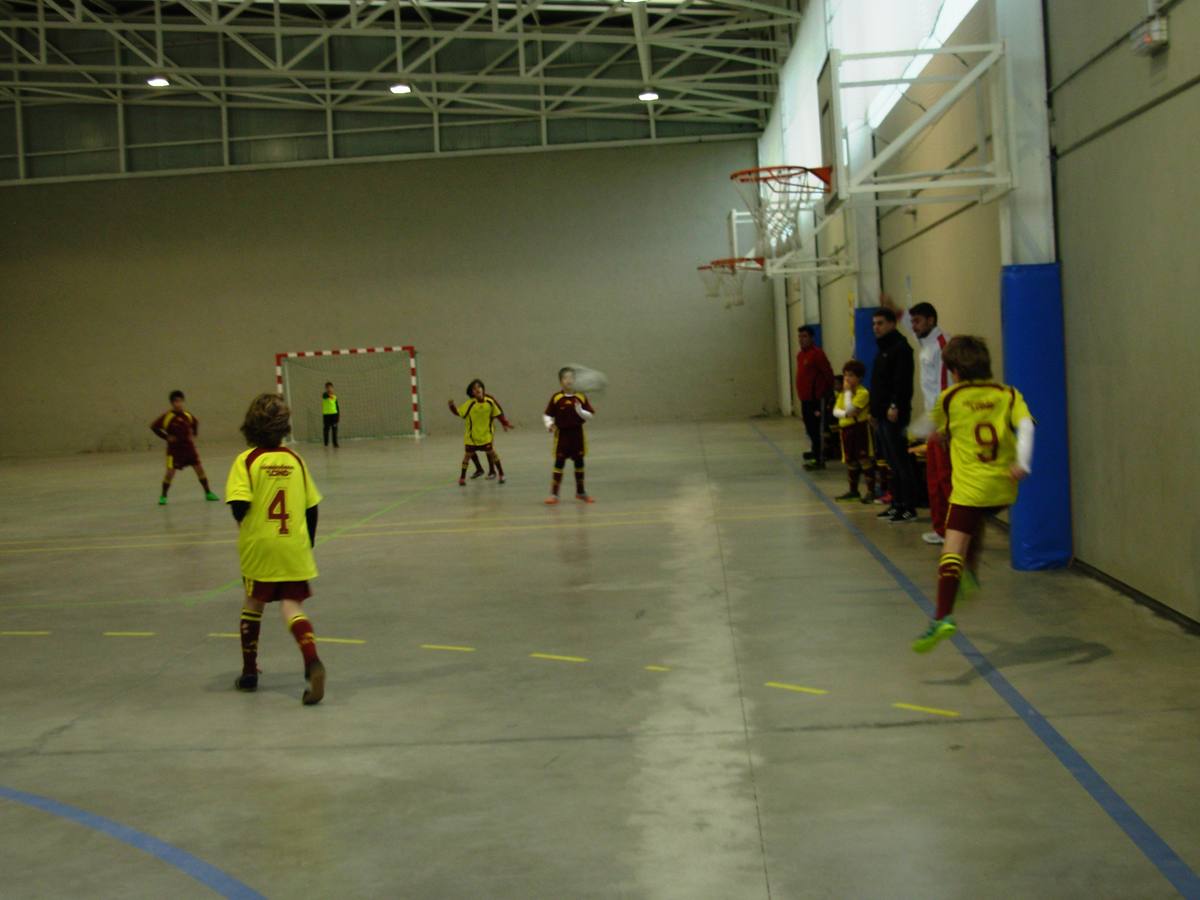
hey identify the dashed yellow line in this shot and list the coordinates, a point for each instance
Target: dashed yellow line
(138, 634)
(23, 633)
(796, 688)
(557, 658)
(327, 640)
(449, 647)
(656, 668)
(948, 713)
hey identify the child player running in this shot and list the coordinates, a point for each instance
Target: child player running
(178, 428)
(990, 430)
(852, 410)
(564, 417)
(479, 415)
(274, 500)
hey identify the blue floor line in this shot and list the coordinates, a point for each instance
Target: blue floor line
(1155, 849)
(210, 876)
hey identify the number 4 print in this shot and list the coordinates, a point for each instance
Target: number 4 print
(277, 511)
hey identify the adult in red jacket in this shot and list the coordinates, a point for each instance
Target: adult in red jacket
(814, 383)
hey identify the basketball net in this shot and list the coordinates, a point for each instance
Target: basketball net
(775, 197)
(725, 278)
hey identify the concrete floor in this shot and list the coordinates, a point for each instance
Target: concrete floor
(492, 773)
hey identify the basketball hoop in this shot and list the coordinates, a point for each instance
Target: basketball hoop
(725, 277)
(775, 196)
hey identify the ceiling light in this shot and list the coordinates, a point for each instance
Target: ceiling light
(158, 81)
(648, 96)
(401, 89)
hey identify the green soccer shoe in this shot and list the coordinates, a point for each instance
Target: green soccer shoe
(938, 631)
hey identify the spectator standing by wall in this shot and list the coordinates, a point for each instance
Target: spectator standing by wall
(922, 320)
(814, 381)
(891, 412)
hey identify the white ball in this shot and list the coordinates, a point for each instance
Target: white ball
(589, 379)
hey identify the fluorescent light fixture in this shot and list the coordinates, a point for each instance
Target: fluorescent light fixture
(401, 89)
(158, 81)
(950, 16)
(648, 96)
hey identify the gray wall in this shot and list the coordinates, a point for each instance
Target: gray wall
(503, 267)
(1127, 129)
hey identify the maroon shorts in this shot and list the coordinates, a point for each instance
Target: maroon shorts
(270, 591)
(970, 519)
(180, 456)
(856, 444)
(480, 448)
(569, 444)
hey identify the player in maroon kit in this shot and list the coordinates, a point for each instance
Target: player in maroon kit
(178, 428)
(565, 415)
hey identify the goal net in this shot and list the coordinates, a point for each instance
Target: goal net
(377, 390)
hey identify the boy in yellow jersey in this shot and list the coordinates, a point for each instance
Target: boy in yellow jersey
(274, 500)
(331, 413)
(990, 430)
(479, 415)
(852, 410)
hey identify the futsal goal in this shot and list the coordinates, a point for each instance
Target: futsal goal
(378, 391)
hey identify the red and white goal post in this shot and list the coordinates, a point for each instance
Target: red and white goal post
(378, 389)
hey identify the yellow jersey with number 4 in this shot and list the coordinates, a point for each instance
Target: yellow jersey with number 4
(273, 541)
(981, 419)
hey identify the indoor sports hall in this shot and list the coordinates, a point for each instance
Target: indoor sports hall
(671, 449)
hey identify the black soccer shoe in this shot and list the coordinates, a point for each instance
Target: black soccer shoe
(314, 674)
(247, 683)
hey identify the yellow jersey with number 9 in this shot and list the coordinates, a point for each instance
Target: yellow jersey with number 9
(981, 419)
(273, 541)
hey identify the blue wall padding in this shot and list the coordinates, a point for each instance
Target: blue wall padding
(1035, 363)
(816, 333)
(865, 349)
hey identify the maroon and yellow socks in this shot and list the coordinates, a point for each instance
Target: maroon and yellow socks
(250, 625)
(462, 473)
(166, 487)
(579, 479)
(852, 474)
(950, 569)
(556, 480)
(302, 631)
(494, 466)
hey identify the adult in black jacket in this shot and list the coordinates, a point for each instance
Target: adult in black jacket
(891, 411)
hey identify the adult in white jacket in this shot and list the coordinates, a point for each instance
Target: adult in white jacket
(922, 320)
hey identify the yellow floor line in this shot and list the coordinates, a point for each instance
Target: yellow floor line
(129, 634)
(23, 633)
(166, 540)
(657, 668)
(410, 532)
(225, 634)
(449, 647)
(798, 688)
(949, 713)
(573, 659)
(325, 640)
